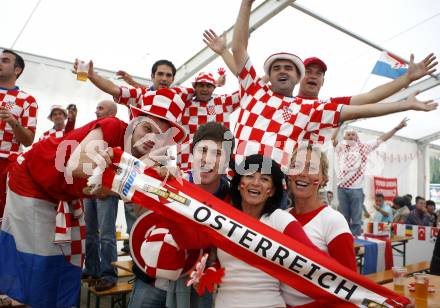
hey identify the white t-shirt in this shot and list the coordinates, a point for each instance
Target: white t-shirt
(321, 230)
(246, 286)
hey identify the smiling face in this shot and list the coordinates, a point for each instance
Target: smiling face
(163, 77)
(256, 188)
(208, 160)
(58, 117)
(203, 91)
(312, 82)
(147, 135)
(308, 173)
(283, 77)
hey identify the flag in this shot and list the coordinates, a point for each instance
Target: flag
(389, 66)
(421, 233)
(434, 233)
(34, 270)
(408, 230)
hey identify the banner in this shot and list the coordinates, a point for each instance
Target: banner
(301, 267)
(418, 233)
(386, 186)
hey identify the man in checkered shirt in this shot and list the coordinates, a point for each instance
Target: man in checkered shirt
(201, 106)
(271, 121)
(58, 115)
(351, 161)
(18, 116)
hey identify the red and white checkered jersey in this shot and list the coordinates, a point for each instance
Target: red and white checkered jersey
(52, 133)
(271, 124)
(196, 113)
(24, 108)
(351, 158)
(133, 96)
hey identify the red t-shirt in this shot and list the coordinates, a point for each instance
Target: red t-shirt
(38, 177)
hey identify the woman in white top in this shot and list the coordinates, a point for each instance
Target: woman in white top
(259, 195)
(326, 227)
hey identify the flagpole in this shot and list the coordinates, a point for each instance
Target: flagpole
(25, 24)
(349, 33)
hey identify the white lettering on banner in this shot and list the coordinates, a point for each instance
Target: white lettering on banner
(241, 235)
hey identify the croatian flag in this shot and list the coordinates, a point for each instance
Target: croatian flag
(389, 66)
(33, 270)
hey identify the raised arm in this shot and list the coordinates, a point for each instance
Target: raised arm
(391, 133)
(335, 136)
(100, 82)
(129, 79)
(218, 45)
(241, 34)
(411, 103)
(415, 72)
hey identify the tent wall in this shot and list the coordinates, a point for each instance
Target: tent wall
(406, 172)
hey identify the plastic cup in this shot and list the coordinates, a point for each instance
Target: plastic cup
(422, 283)
(399, 274)
(82, 70)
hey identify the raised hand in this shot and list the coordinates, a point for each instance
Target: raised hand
(423, 68)
(402, 124)
(215, 42)
(415, 104)
(124, 76)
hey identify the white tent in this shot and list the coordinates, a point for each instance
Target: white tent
(133, 34)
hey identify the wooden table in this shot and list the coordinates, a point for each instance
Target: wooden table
(125, 265)
(400, 241)
(433, 299)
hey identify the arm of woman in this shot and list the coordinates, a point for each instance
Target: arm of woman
(341, 248)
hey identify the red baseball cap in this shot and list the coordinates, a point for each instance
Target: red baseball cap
(316, 60)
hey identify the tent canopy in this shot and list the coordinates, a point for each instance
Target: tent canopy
(134, 35)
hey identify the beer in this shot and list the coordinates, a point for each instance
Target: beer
(398, 288)
(82, 76)
(82, 70)
(422, 282)
(399, 274)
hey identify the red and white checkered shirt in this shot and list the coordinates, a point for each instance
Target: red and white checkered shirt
(133, 96)
(351, 158)
(52, 133)
(271, 124)
(196, 113)
(24, 108)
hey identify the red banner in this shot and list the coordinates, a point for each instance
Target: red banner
(386, 186)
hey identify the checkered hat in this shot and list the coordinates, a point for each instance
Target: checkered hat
(155, 251)
(56, 107)
(285, 56)
(164, 104)
(204, 77)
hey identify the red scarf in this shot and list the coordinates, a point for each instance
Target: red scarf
(246, 238)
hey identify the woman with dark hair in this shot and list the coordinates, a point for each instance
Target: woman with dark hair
(257, 190)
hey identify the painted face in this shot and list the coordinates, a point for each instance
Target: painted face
(208, 162)
(58, 117)
(163, 77)
(203, 91)
(306, 174)
(283, 77)
(256, 188)
(312, 82)
(148, 135)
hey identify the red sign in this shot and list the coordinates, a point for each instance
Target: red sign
(386, 186)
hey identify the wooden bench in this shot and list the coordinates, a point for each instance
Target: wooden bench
(387, 276)
(122, 273)
(118, 294)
